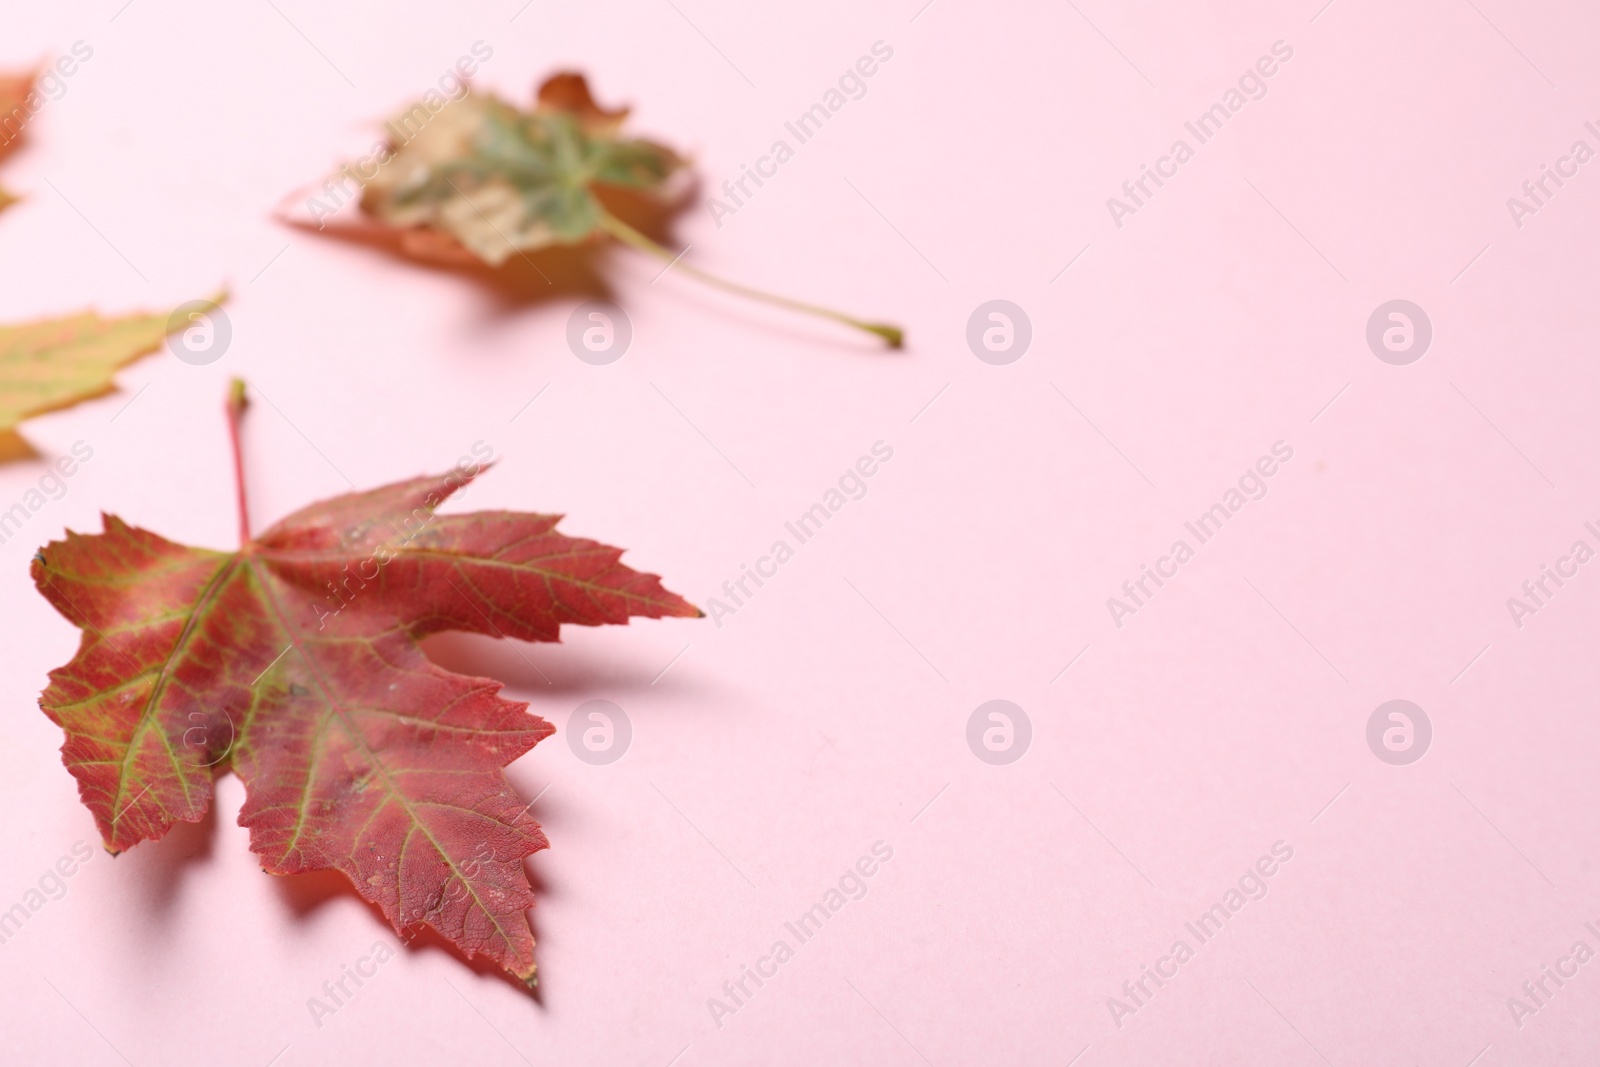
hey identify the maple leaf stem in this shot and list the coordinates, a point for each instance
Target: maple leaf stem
(236, 405)
(633, 238)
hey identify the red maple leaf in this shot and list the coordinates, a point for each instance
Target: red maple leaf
(295, 662)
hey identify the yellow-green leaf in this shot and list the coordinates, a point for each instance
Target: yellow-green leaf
(56, 363)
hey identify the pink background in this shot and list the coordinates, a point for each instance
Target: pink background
(830, 712)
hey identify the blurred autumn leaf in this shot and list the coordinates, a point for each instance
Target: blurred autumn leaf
(502, 181)
(14, 114)
(477, 179)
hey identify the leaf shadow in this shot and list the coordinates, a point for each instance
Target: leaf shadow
(158, 867)
(527, 668)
